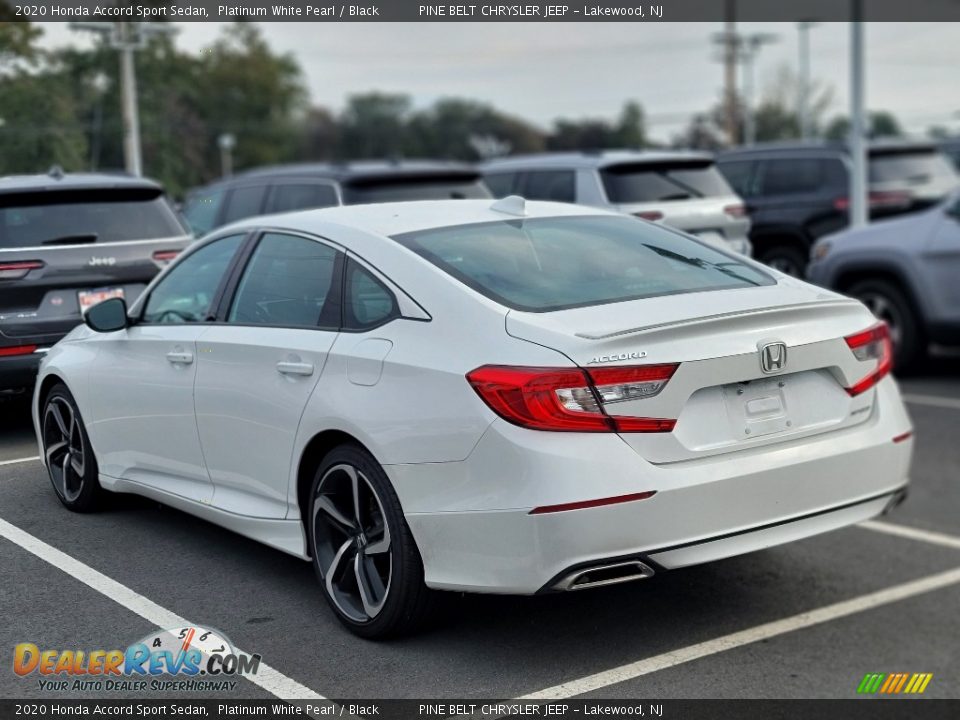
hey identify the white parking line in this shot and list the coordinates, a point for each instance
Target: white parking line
(745, 637)
(928, 536)
(271, 680)
(19, 460)
(941, 402)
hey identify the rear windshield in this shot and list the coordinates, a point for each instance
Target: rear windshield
(433, 187)
(919, 166)
(87, 216)
(545, 264)
(649, 182)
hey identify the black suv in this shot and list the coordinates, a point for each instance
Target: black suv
(798, 192)
(284, 188)
(67, 242)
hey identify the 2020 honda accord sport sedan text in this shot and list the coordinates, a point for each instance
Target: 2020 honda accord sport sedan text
(506, 398)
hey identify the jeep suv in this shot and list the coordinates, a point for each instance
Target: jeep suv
(284, 188)
(798, 192)
(680, 189)
(66, 243)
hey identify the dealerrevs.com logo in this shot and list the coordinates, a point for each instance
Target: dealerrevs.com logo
(188, 659)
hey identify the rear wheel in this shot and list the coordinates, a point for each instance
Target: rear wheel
(889, 303)
(363, 552)
(788, 259)
(69, 457)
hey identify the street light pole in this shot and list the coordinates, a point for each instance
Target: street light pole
(751, 48)
(803, 84)
(858, 145)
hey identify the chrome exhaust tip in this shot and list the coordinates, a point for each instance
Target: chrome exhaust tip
(600, 575)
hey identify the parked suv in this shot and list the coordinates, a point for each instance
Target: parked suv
(680, 189)
(905, 270)
(299, 187)
(951, 148)
(798, 192)
(67, 242)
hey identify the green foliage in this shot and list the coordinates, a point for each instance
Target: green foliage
(881, 124)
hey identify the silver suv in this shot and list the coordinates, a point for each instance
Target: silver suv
(681, 189)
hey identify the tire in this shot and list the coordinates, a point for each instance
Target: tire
(70, 461)
(788, 259)
(890, 304)
(370, 571)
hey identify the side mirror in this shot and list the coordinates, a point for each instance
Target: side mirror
(107, 316)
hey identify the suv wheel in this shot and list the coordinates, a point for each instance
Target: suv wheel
(363, 552)
(888, 303)
(788, 259)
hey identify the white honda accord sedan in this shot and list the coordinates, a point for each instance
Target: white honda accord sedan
(459, 395)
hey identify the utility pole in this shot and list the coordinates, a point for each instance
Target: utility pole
(803, 82)
(858, 144)
(751, 45)
(730, 69)
(125, 37)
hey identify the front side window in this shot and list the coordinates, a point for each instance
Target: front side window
(368, 303)
(500, 184)
(288, 282)
(186, 293)
(201, 210)
(545, 264)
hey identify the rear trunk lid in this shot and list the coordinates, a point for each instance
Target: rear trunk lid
(720, 395)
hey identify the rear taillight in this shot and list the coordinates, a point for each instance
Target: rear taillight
(871, 344)
(878, 200)
(17, 350)
(571, 400)
(736, 211)
(651, 215)
(165, 256)
(18, 269)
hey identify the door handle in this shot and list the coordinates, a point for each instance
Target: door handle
(294, 368)
(184, 358)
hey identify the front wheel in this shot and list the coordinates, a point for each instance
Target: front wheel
(363, 553)
(69, 457)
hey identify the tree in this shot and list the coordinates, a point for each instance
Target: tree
(374, 125)
(880, 123)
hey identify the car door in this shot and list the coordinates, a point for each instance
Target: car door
(941, 263)
(257, 367)
(141, 383)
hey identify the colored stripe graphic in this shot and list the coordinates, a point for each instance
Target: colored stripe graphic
(894, 683)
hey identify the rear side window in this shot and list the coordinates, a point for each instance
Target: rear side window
(287, 197)
(429, 187)
(501, 184)
(287, 282)
(186, 293)
(738, 174)
(201, 210)
(557, 185)
(244, 202)
(798, 176)
(544, 264)
(84, 217)
(909, 167)
(368, 303)
(657, 182)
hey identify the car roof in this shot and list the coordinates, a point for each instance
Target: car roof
(877, 146)
(592, 160)
(388, 219)
(56, 179)
(350, 171)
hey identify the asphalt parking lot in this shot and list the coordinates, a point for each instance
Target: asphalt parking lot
(805, 620)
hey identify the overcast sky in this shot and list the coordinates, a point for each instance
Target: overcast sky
(541, 71)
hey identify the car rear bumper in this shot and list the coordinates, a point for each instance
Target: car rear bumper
(473, 524)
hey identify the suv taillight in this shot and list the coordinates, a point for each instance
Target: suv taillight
(162, 257)
(649, 215)
(572, 399)
(18, 269)
(871, 344)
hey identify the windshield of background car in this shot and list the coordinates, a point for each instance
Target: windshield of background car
(657, 182)
(910, 167)
(395, 189)
(544, 264)
(85, 216)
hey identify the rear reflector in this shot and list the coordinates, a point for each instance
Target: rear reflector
(871, 344)
(651, 215)
(544, 509)
(736, 211)
(18, 350)
(571, 399)
(18, 269)
(903, 436)
(165, 256)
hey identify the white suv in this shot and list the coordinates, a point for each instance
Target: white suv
(681, 189)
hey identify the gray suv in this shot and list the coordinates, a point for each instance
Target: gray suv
(905, 270)
(66, 243)
(681, 189)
